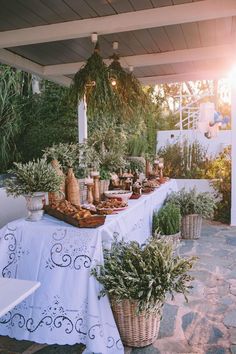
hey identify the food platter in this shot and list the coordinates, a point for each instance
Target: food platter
(75, 216)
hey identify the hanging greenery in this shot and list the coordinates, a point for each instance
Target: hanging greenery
(93, 81)
(130, 97)
(110, 91)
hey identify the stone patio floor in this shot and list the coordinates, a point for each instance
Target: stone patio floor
(204, 325)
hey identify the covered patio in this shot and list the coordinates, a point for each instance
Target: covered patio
(160, 41)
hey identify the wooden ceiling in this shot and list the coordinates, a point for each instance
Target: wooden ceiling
(216, 35)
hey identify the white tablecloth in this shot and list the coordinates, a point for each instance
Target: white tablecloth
(66, 308)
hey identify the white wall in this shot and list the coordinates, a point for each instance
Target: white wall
(11, 208)
(201, 185)
(214, 145)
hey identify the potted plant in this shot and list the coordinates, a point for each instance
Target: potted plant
(137, 279)
(33, 180)
(105, 177)
(193, 207)
(166, 223)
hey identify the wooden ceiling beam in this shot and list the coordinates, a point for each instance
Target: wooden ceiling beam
(177, 56)
(130, 21)
(183, 77)
(18, 62)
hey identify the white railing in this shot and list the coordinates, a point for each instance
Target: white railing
(191, 110)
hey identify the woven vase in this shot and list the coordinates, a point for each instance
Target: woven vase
(136, 330)
(54, 197)
(191, 226)
(72, 188)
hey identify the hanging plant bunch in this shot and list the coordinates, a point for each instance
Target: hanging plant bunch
(130, 96)
(93, 81)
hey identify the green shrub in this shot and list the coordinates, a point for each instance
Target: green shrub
(220, 173)
(167, 220)
(193, 203)
(185, 160)
(145, 274)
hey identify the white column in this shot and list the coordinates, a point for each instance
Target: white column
(233, 156)
(82, 121)
(36, 84)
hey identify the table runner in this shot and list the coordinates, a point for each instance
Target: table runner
(66, 308)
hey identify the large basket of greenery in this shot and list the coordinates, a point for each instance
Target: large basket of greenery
(166, 223)
(193, 207)
(137, 279)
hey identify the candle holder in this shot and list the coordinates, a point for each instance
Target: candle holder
(96, 189)
(89, 183)
(161, 167)
(90, 193)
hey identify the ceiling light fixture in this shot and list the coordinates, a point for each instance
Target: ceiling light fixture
(131, 68)
(94, 37)
(115, 45)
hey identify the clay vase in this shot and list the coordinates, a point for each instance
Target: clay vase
(72, 188)
(54, 197)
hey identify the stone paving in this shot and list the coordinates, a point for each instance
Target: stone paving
(204, 325)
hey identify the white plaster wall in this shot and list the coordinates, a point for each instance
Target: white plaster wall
(201, 185)
(213, 146)
(11, 208)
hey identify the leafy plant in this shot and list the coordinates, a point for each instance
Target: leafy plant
(130, 97)
(193, 203)
(220, 172)
(110, 144)
(184, 160)
(49, 118)
(167, 220)
(34, 176)
(93, 81)
(135, 164)
(66, 154)
(144, 274)
(13, 87)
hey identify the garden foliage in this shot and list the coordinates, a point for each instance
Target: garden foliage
(191, 202)
(166, 221)
(144, 274)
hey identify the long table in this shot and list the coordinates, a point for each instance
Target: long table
(66, 308)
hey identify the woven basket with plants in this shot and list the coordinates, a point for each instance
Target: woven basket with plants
(137, 280)
(193, 208)
(166, 223)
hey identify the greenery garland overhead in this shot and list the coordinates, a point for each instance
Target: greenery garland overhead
(93, 81)
(130, 97)
(123, 101)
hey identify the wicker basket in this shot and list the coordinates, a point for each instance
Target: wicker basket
(173, 239)
(191, 226)
(135, 330)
